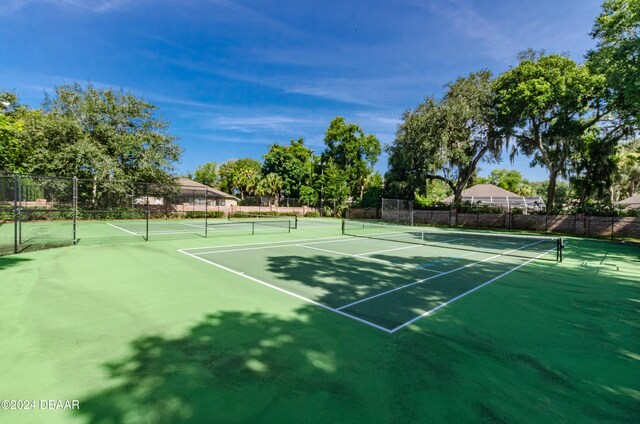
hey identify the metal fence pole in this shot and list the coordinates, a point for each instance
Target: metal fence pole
(146, 205)
(75, 210)
(206, 212)
(612, 217)
(20, 188)
(15, 214)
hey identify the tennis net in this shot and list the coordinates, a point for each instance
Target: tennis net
(522, 246)
(243, 216)
(252, 227)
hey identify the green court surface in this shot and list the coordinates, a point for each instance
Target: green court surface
(309, 325)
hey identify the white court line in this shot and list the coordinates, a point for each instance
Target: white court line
(448, 302)
(267, 242)
(122, 229)
(191, 225)
(367, 259)
(242, 274)
(172, 232)
(304, 227)
(410, 247)
(389, 250)
(439, 275)
(281, 245)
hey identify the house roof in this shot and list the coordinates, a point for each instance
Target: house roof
(483, 190)
(188, 184)
(492, 194)
(633, 201)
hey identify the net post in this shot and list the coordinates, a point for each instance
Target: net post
(253, 228)
(75, 210)
(289, 222)
(342, 225)
(559, 248)
(206, 212)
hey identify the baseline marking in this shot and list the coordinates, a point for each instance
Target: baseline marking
(448, 302)
(440, 275)
(241, 274)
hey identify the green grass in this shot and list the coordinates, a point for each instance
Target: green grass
(139, 332)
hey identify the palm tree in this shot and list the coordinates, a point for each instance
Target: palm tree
(270, 185)
(247, 181)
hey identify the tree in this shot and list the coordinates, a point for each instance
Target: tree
(207, 174)
(372, 197)
(271, 186)
(435, 192)
(594, 164)
(61, 147)
(293, 163)
(627, 175)
(335, 182)
(132, 142)
(445, 139)
(308, 195)
(353, 151)
(239, 176)
(543, 104)
(617, 56)
(14, 150)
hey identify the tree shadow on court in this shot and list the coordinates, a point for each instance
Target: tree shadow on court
(316, 367)
(340, 281)
(543, 351)
(9, 261)
(255, 367)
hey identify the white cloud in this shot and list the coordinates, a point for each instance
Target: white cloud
(464, 18)
(95, 6)
(253, 123)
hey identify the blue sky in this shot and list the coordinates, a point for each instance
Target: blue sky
(233, 77)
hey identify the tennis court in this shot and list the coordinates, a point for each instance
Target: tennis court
(382, 275)
(365, 323)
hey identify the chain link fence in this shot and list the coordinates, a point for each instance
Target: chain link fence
(39, 212)
(624, 224)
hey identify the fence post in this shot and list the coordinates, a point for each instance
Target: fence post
(146, 196)
(612, 217)
(206, 212)
(20, 189)
(546, 222)
(15, 214)
(75, 210)
(411, 212)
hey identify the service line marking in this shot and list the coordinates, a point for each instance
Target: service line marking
(280, 289)
(436, 276)
(306, 246)
(450, 301)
